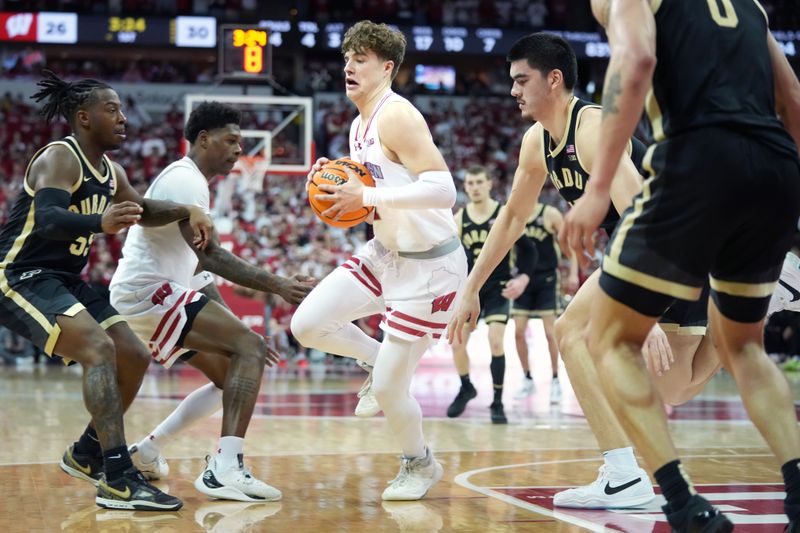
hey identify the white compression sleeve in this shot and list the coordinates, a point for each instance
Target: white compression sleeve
(433, 190)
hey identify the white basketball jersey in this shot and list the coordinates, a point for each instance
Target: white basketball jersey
(406, 230)
(159, 254)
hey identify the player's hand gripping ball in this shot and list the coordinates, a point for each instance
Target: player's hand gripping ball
(333, 173)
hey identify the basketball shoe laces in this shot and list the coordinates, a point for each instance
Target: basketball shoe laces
(248, 475)
(405, 472)
(602, 475)
(366, 386)
(407, 467)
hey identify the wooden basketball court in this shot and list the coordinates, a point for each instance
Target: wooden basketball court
(332, 467)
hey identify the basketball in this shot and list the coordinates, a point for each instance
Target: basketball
(333, 173)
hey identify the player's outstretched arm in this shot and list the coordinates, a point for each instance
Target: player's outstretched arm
(632, 35)
(162, 212)
(510, 224)
(528, 181)
(53, 176)
(631, 32)
(787, 90)
(220, 261)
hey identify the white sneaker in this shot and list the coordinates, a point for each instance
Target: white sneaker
(417, 475)
(611, 490)
(528, 388)
(555, 391)
(236, 483)
(367, 402)
(158, 468)
(787, 293)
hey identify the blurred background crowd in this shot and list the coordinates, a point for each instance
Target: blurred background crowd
(475, 122)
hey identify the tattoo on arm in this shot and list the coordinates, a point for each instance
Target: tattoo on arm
(160, 213)
(611, 93)
(223, 263)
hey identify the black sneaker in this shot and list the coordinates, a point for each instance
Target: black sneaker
(697, 516)
(465, 394)
(133, 492)
(498, 413)
(86, 467)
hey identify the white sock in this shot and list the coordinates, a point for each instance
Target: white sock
(391, 380)
(621, 459)
(228, 453)
(324, 319)
(200, 404)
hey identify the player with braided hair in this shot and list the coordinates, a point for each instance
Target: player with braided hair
(71, 191)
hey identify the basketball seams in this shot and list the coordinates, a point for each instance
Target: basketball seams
(333, 173)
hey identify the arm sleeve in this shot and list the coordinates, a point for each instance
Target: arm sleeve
(54, 221)
(433, 190)
(527, 256)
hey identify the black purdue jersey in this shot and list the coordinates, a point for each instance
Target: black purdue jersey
(473, 236)
(564, 163)
(546, 245)
(20, 246)
(713, 69)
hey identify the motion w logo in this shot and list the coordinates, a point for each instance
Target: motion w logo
(443, 303)
(19, 24)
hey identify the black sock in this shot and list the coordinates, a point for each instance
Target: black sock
(498, 368)
(555, 376)
(675, 487)
(791, 477)
(115, 462)
(465, 382)
(528, 375)
(88, 444)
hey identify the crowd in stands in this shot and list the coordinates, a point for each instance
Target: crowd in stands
(273, 227)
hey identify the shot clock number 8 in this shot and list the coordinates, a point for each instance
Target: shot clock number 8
(244, 51)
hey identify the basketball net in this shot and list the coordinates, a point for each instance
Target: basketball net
(249, 172)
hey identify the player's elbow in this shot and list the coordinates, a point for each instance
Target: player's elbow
(644, 63)
(439, 187)
(641, 63)
(448, 196)
(46, 228)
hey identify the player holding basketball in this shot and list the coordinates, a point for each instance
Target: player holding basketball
(413, 268)
(179, 315)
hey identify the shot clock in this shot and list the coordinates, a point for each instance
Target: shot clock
(244, 51)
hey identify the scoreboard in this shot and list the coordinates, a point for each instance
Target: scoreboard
(202, 32)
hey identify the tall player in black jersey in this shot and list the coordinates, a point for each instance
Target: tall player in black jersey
(723, 205)
(562, 145)
(474, 222)
(71, 191)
